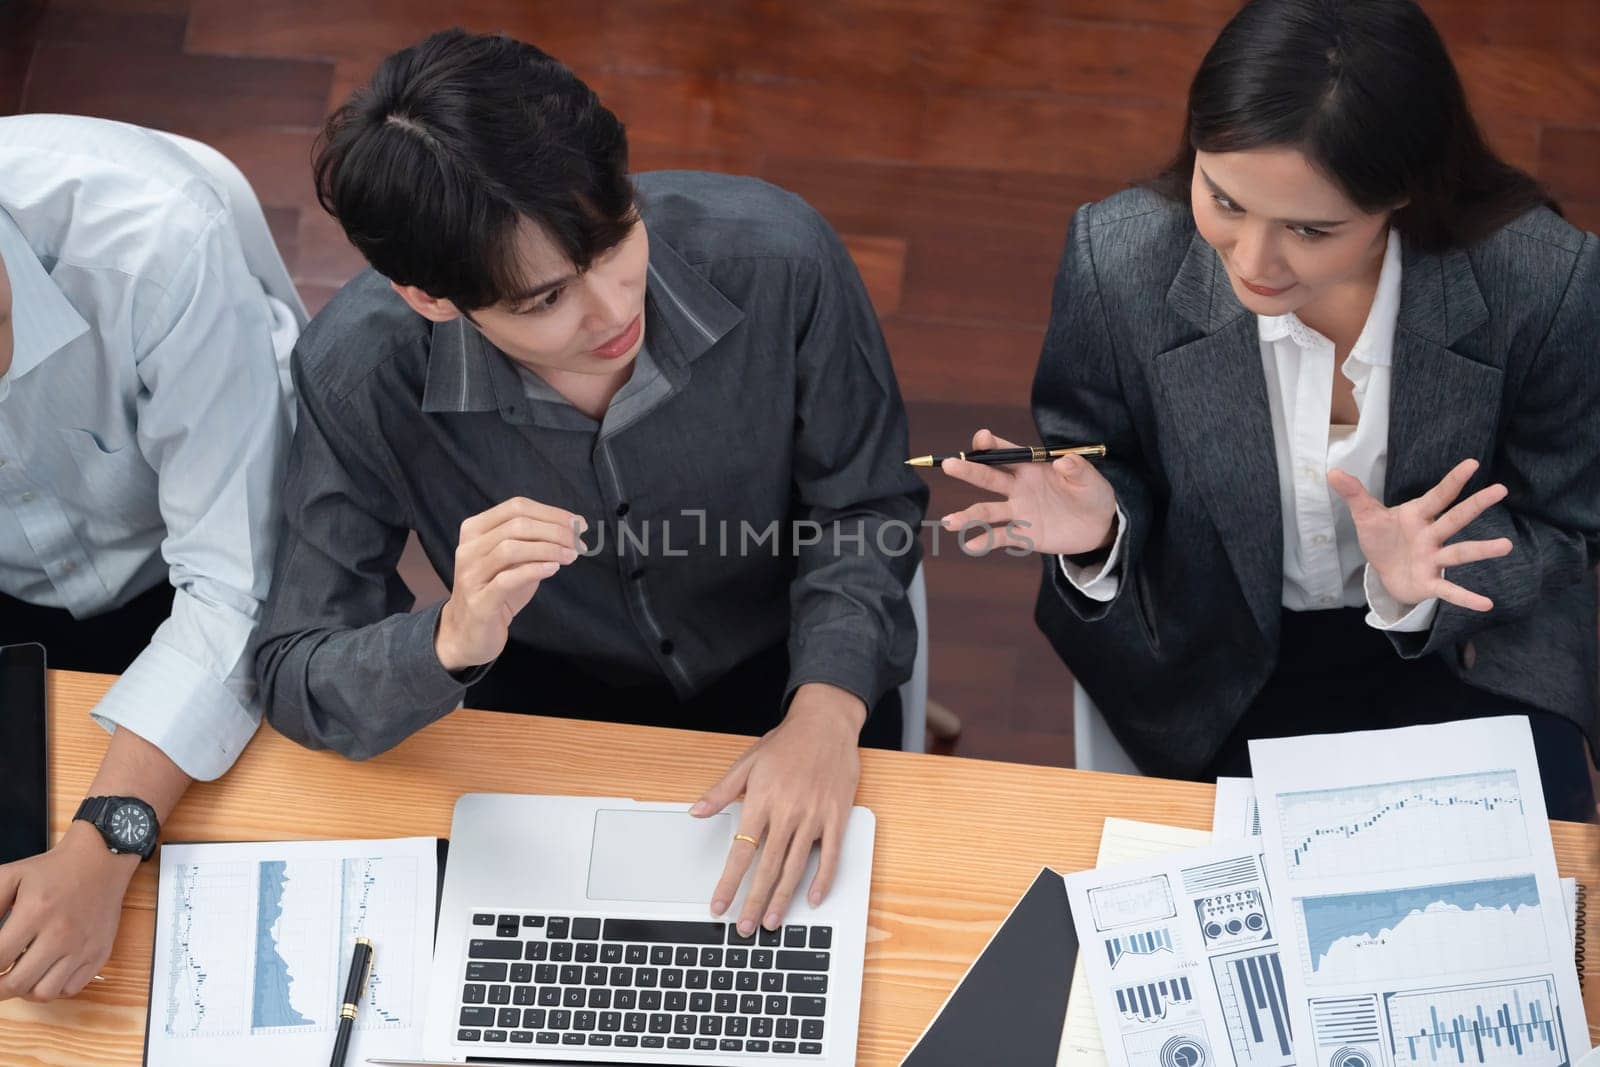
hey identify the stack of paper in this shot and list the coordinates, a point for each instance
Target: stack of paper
(1424, 917)
(1386, 899)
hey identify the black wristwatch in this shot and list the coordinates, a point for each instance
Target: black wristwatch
(127, 824)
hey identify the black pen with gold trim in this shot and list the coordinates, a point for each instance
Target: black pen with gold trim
(360, 964)
(994, 457)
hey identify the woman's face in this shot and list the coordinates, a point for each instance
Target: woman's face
(1286, 234)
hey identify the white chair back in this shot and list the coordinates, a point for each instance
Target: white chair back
(1094, 746)
(914, 693)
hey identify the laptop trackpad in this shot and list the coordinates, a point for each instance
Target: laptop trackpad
(658, 856)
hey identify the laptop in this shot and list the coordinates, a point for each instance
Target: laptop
(577, 930)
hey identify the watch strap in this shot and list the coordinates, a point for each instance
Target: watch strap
(91, 810)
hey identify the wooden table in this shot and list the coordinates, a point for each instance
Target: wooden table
(958, 842)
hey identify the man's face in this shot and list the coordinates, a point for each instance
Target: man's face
(564, 322)
(7, 343)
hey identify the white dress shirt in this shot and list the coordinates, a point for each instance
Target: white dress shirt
(1323, 567)
(142, 428)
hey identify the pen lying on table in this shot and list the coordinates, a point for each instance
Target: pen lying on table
(994, 457)
(360, 966)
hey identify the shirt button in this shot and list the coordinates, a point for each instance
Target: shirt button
(1329, 601)
(666, 648)
(622, 509)
(68, 567)
(27, 498)
(1320, 539)
(2, 464)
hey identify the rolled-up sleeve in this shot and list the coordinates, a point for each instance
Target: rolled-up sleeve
(213, 425)
(851, 623)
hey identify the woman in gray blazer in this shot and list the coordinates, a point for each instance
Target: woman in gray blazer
(1346, 362)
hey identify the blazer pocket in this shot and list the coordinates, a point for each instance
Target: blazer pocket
(1144, 607)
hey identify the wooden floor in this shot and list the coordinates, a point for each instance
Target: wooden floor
(948, 140)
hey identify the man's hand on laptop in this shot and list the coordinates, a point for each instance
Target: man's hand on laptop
(798, 783)
(502, 557)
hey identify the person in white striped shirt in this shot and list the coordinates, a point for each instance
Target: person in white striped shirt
(143, 432)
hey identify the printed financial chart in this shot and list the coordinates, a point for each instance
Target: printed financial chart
(1394, 826)
(1494, 1024)
(1421, 931)
(1255, 1006)
(262, 947)
(1178, 1046)
(1150, 1002)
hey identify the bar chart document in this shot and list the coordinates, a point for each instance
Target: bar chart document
(1182, 956)
(1421, 917)
(253, 942)
(1121, 840)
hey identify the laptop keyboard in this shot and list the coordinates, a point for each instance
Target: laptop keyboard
(645, 984)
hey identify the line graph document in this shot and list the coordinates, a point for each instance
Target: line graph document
(1421, 917)
(253, 944)
(1236, 818)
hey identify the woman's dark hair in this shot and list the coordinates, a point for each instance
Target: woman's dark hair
(432, 167)
(1366, 89)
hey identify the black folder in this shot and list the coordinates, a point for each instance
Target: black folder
(1010, 1007)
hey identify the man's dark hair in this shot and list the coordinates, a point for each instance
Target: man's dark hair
(1366, 89)
(456, 143)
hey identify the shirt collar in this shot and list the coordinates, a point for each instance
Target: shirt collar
(466, 373)
(43, 320)
(686, 305)
(1375, 346)
(644, 372)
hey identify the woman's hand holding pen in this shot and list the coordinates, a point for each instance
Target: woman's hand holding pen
(1065, 507)
(1406, 543)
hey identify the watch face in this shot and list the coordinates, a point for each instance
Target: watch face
(130, 825)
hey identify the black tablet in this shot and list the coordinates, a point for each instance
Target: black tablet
(23, 804)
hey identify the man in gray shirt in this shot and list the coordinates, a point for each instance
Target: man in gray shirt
(645, 429)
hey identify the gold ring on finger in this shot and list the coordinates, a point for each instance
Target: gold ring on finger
(747, 838)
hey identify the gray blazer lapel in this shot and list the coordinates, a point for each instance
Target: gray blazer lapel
(1443, 405)
(1215, 396)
